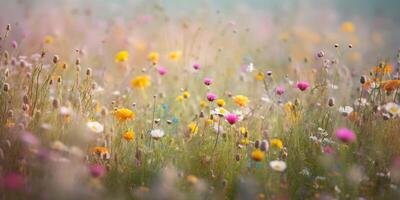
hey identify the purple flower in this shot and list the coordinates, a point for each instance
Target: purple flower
(29, 138)
(345, 135)
(207, 81)
(162, 70)
(211, 96)
(302, 85)
(196, 66)
(231, 118)
(97, 170)
(280, 90)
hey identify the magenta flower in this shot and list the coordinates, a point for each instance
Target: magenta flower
(207, 81)
(345, 135)
(162, 70)
(280, 90)
(302, 85)
(12, 181)
(328, 150)
(196, 66)
(97, 170)
(211, 96)
(231, 118)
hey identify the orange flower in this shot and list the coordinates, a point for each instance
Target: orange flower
(99, 150)
(124, 114)
(129, 135)
(387, 69)
(391, 85)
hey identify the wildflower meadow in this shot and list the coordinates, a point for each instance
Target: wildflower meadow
(133, 99)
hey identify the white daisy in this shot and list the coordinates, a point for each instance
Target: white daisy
(346, 110)
(157, 134)
(278, 165)
(392, 108)
(95, 127)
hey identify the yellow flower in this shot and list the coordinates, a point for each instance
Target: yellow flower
(124, 114)
(277, 143)
(203, 104)
(153, 57)
(348, 27)
(121, 56)
(180, 98)
(186, 94)
(209, 121)
(244, 141)
(220, 102)
(48, 39)
(141, 82)
(129, 135)
(175, 55)
(241, 100)
(257, 155)
(260, 76)
(242, 130)
(193, 127)
(289, 106)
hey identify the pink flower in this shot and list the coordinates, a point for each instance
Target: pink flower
(14, 44)
(280, 90)
(345, 135)
(211, 96)
(12, 181)
(231, 118)
(207, 81)
(328, 150)
(196, 66)
(97, 170)
(302, 85)
(162, 70)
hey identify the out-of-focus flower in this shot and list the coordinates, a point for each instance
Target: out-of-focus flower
(97, 170)
(122, 56)
(141, 82)
(193, 128)
(257, 155)
(260, 76)
(192, 179)
(244, 141)
(12, 181)
(346, 110)
(392, 108)
(58, 146)
(124, 114)
(175, 55)
(231, 118)
(186, 94)
(277, 143)
(211, 96)
(241, 100)
(278, 165)
(153, 57)
(328, 150)
(157, 133)
(345, 135)
(207, 81)
(385, 69)
(279, 90)
(348, 27)
(220, 102)
(29, 138)
(129, 135)
(196, 66)
(48, 39)
(95, 126)
(361, 102)
(302, 85)
(219, 111)
(390, 85)
(162, 70)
